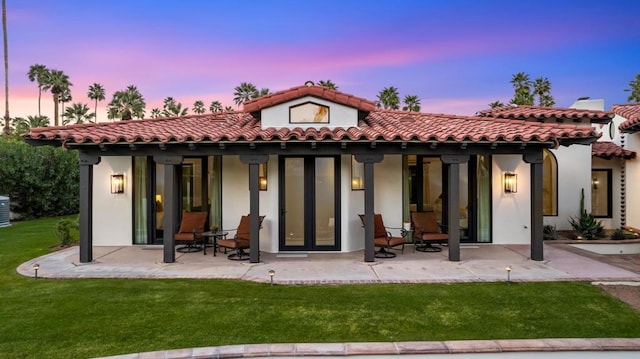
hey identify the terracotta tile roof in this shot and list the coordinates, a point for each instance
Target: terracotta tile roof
(538, 113)
(631, 112)
(608, 150)
(379, 125)
(313, 90)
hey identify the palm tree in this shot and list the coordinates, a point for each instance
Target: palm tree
(78, 112)
(126, 104)
(245, 92)
(7, 130)
(215, 106)
(542, 88)
(65, 97)
(57, 82)
(389, 98)
(228, 109)
(522, 89)
(496, 104)
(412, 103)
(263, 92)
(96, 93)
(328, 84)
(172, 108)
(198, 107)
(634, 88)
(23, 125)
(155, 113)
(38, 73)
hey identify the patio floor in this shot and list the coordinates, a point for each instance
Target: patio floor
(479, 263)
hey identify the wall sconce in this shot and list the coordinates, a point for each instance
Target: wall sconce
(595, 182)
(262, 176)
(357, 174)
(117, 183)
(510, 182)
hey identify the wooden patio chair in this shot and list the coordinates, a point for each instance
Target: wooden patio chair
(240, 241)
(426, 232)
(190, 233)
(383, 238)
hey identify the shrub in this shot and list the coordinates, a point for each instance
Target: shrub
(549, 232)
(41, 181)
(586, 226)
(63, 229)
(618, 234)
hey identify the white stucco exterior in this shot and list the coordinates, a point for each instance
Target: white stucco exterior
(112, 213)
(632, 180)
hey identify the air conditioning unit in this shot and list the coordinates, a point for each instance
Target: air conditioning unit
(4, 211)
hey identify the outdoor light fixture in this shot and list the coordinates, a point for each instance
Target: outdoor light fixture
(271, 274)
(510, 182)
(508, 269)
(117, 183)
(595, 182)
(262, 177)
(35, 269)
(357, 174)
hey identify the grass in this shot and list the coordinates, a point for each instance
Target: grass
(81, 318)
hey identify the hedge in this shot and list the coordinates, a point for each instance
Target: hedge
(41, 181)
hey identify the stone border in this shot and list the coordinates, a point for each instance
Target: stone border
(392, 348)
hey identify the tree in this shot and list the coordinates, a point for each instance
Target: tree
(228, 109)
(7, 130)
(65, 97)
(245, 92)
(496, 104)
(215, 106)
(38, 73)
(56, 82)
(634, 88)
(198, 107)
(96, 93)
(542, 88)
(263, 92)
(78, 112)
(412, 103)
(172, 108)
(522, 87)
(126, 104)
(328, 84)
(22, 125)
(155, 113)
(389, 98)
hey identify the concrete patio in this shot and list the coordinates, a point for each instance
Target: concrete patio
(480, 263)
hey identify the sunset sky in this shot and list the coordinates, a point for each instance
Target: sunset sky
(456, 56)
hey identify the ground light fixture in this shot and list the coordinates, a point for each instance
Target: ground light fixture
(35, 269)
(272, 273)
(508, 269)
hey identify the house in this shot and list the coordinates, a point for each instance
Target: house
(311, 159)
(627, 121)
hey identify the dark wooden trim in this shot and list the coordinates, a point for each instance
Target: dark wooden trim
(369, 246)
(254, 210)
(170, 206)
(86, 206)
(536, 211)
(254, 159)
(453, 215)
(168, 160)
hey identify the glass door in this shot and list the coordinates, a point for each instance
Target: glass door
(309, 199)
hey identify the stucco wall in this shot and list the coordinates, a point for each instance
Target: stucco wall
(112, 213)
(574, 174)
(511, 211)
(633, 182)
(339, 115)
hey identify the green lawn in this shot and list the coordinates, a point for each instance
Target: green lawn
(80, 318)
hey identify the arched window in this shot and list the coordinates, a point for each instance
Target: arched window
(549, 184)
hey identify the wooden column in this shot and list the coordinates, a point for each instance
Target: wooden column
(535, 163)
(171, 197)
(86, 206)
(453, 202)
(369, 160)
(254, 162)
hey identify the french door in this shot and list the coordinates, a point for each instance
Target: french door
(309, 203)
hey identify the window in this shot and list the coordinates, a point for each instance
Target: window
(601, 193)
(549, 184)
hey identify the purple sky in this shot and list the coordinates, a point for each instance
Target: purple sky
(456, 56)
